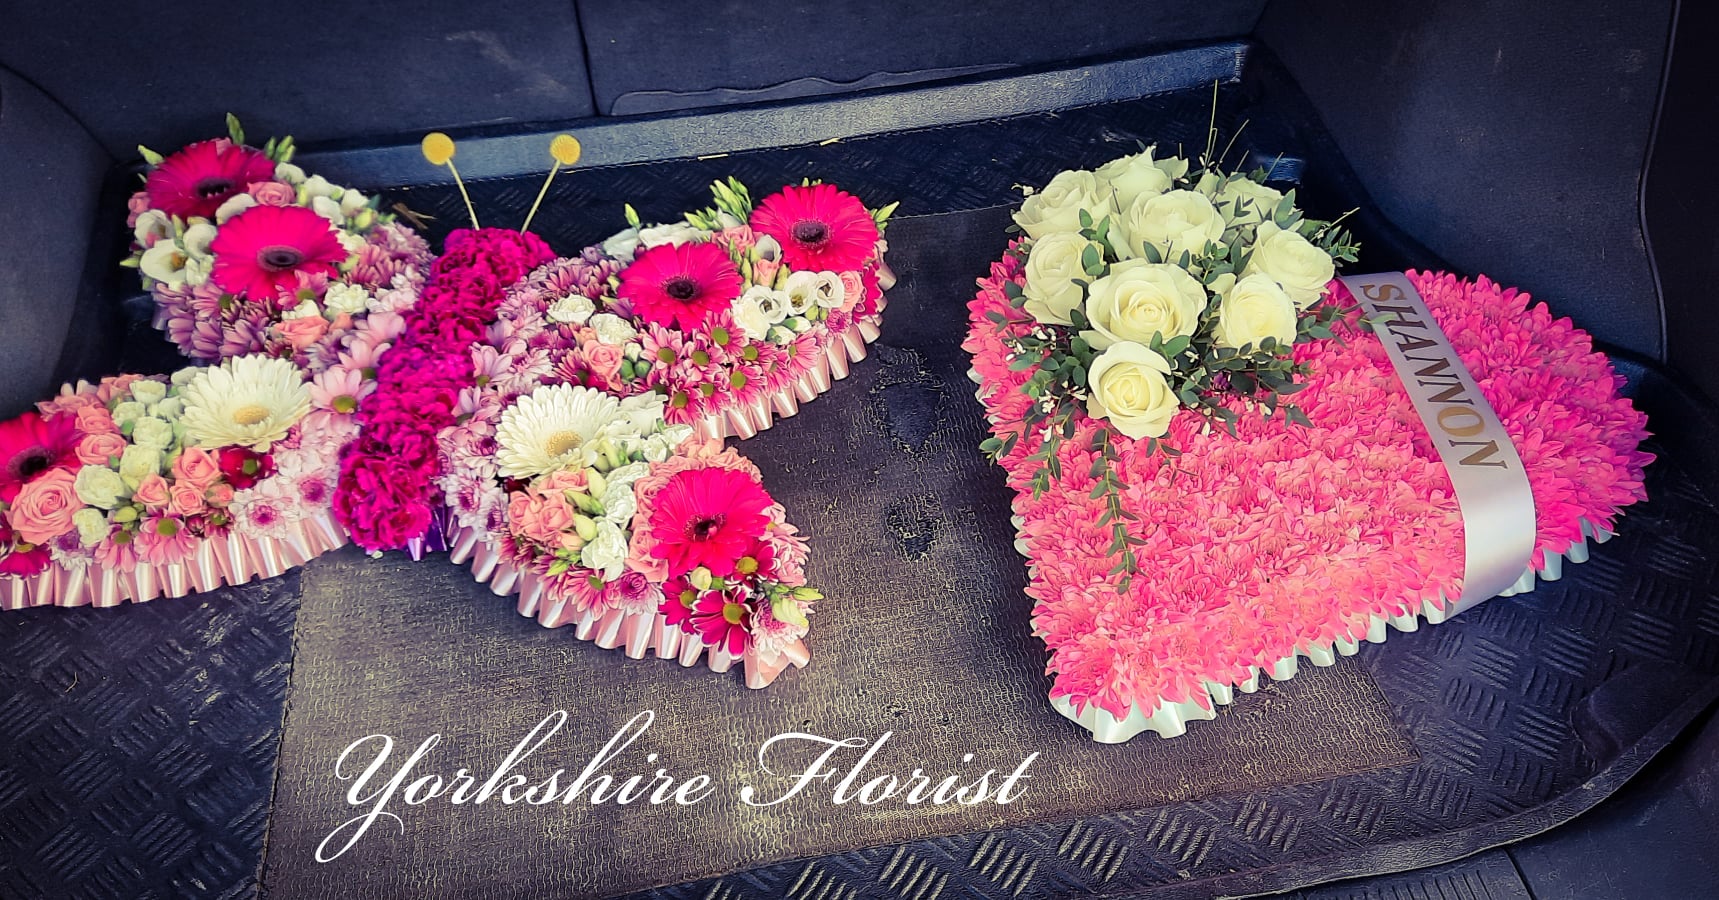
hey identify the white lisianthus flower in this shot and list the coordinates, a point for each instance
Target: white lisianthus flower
(247, 401)
(1139, 299)
(127, 412)
(1254, 309)
(622, 244)
(152, 224)
(290, 174)
(612, 329)
(164, 262)
(170, 409)
(182, 377)
(235, 204)
(152, 432)
(637, 415)
(328, 208)
(1289, 259)
(135, 464)
(318, 186)
(1052, 266)
(350, 241)
(1131, 176)
(100, 486)
(352, 202)
(618, 500)
(1173, 222)
(91, 525)
(767, 248)
(197, 271)
(148, 391)
(1058, 206)
(828, 290)
(348, 299)
(676, 233)
(552, 428)
(607, 554)
(802, 291)
(574, 309)
(305, 309)
(749, 314)
(1129, 387)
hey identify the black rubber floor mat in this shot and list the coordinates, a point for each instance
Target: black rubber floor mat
(924, 634)
(1524, 712)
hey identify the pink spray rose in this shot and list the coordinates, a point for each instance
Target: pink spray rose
(95, 419)
(274, 193)
(303, 331)
(151, 492)
(97, 449)
(185, 500)
(196, 467)
(44, 508)
(219, 495)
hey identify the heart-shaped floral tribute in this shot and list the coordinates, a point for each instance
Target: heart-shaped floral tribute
(734, 315)
(140, 487)
(245, 253)
(604, 516)
(1262, 537)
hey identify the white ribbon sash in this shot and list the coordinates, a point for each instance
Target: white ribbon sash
(1491, 485)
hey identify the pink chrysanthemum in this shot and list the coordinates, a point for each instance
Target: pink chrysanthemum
(198, 179)
(723, 619)
(263, 250)
(708, 517)
(679, 286)
(820, 227)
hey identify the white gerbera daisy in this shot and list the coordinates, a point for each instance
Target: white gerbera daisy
(247, 401)
(552, 428)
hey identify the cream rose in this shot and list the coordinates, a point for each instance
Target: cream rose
(1242, 200)
(1129, 388)
(1132, 176)
(1253, 310)
(1173, 222)
(1052, 265)
(1139, 299)
(1058, 206)
(1289, 259)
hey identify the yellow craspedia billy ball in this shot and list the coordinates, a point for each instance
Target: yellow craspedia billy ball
(565, 149)
(438, 148)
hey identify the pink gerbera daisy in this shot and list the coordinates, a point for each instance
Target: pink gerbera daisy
(263, 250)
(820, 227)
(198, 179)
(31, 445)
(708, 517)
(677, 287)
(722, 619)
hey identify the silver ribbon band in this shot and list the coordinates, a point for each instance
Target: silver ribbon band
(1491, 485)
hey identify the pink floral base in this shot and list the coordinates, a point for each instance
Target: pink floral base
(234, 559)
(637, 634)
(1290, 541)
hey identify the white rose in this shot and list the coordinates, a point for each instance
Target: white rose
(1129, 388)
(235, 204)
(1139, 299)
(749, 314)
(676, 233)
(622, 244)
(1253, 310)
(197, 240)
(148, 391)
(576, 309)
(182, 377)
(1058, 206)
(828, 290)
(1240, 199)
(1132, 176)
(1052, 266)
(612, 329)
(129, 411)
(153, 433)
(1289, 259)
(137, 463)
(99, 486)
(802, 291)
(607, 553)
(350, 299)
(170, 409)
(91, 525)
(1173, 222)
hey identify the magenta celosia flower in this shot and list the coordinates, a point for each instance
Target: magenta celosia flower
(198, 179)
(820, 227)
(680, 286)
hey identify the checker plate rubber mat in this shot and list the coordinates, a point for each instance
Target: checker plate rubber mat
(138, 746)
